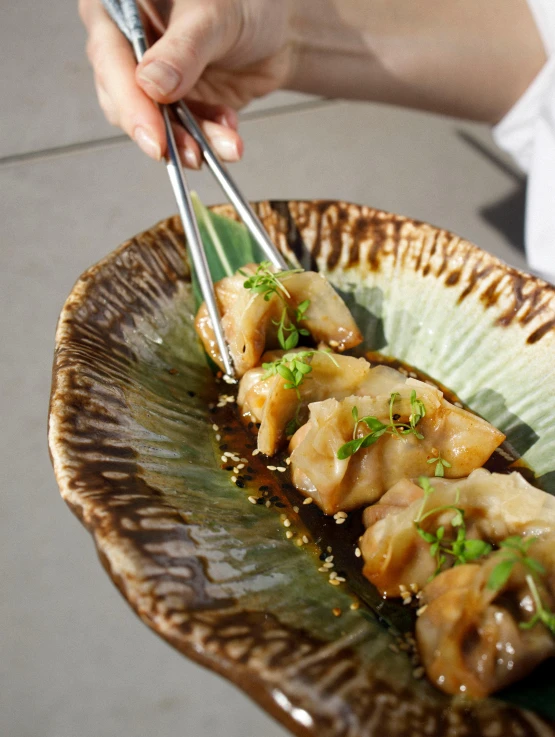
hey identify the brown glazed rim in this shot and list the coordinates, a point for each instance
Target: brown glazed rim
(337, 236)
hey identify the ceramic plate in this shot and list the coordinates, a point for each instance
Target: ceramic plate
(138, 462)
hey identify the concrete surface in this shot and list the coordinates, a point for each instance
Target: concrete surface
(74, 660)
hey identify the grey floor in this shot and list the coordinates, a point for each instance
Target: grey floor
(74, 660)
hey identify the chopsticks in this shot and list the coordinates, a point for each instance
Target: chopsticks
(125, 15)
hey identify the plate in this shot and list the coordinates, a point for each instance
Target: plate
(136, 459)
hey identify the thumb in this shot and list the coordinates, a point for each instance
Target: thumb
(195, 36)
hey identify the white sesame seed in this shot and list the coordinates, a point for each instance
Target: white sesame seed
(268, 504)
(329, 548)
(220, 404)
(340, 521)
(402, 588)
(334, 343)
(271, 468)
(244, 460)
(299, 542)
(308, 500)
(234, 479)
(328, 565)
(289, 534)
(287, 522)
(252, 499)
(340, 578)
(334, 582)
(340, 515)
(296, 509)
(240, 466)
(407, 600)
(236, 469)
(218, 436)
(305, 540)
(358, 552)
(215, 427)
(414, 588)
(322, 569)
(354, 606)
(421, 611)
(224, 459)
(329, 558)
(333, 574)
(281, 469)
(228, 454)
(255, 452)
(288, 461)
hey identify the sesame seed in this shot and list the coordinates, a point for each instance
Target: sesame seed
(236, 469)
(305, 540)
(329, 548)
(240, 466)
(355, 605)
(340, 521)
(215, 427)
(271, 468)
(289, 534)
(340, 515)
(218, 436)
(308, 500)
(358, 552)
(234, 479)
(296, 509)
(288, 461)
(402, 588)
(334, 343)
(407, 600)
(329, 559)
(336, 611)
(252, 499)
(328, 565)
(255, 452)
(244, 460)
(268, 503)
(322, 569)
(333, 574)
(340, 578)
(287, 522)
(281, 469)
(299, 542)
(418, 672)
(393, 648)
(421, 611)
(224, 459)
(334, 582)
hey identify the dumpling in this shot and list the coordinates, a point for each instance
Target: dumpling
(496, 506)
(248, 319)
(268, 402)
(457, 439)
(468, 634)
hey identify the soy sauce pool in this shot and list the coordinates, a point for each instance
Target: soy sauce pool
(332, 543)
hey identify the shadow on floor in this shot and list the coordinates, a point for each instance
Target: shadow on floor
(507, 214)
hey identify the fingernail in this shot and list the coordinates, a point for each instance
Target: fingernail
(160, 75)
(226, 148)
(191, 159)
(147, 143)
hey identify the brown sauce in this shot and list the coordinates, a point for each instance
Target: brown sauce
(308, 526)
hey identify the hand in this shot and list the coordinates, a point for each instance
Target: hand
(219, 54)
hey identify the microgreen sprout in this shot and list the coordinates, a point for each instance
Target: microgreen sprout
(541, 614)
(516, 551)
(461, 549)
(267, 283)
(378, 428)
(441, 465)
(294, 367)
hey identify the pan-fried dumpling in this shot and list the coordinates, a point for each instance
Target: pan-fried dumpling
(268, 402)
(460, 439)
(496, 506)
(248, 319)
(468, 634)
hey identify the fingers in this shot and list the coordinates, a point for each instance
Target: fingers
(123, 102)
(198, 33)
(226, 142)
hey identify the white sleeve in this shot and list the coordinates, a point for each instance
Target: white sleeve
(527, 132)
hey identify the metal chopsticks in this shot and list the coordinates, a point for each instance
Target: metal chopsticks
(125, 15)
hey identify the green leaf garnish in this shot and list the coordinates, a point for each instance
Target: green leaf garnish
(378, 428)
(441, 465)
(515, 550)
